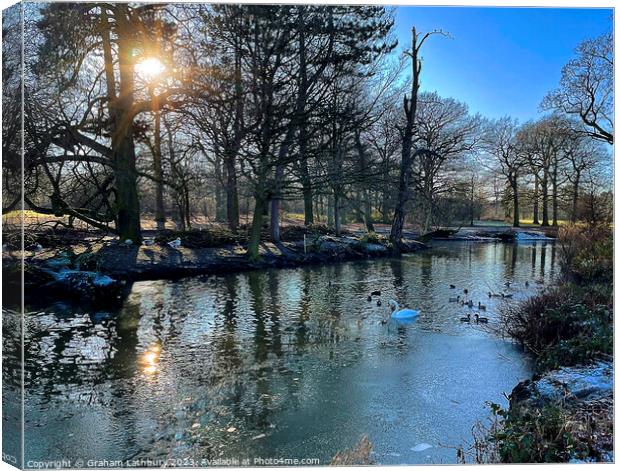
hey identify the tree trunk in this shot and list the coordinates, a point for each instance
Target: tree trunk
(230, 156)
(274, 225)
(160, 214)
(123, 149)
(515, 202)
(278, 183)
(573, 216)
(232, 194)
(330, 211)
(188, 211)
(337, 228)
(471, 203)
(535, 205)
(545, 198)
(554, 194)
(220, 203)
(370, 227)
(308, 208)
(257, 226)
(367, 207)
(410, 107)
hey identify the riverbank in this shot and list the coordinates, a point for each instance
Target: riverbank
(93, 266)
(99, 269)
(565, 412)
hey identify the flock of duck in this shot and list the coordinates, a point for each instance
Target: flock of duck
(477, 318)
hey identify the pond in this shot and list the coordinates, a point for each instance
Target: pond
(281, 364)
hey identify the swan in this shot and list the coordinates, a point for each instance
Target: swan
(398, 313)
(482, 320)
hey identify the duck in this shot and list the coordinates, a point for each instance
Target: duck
(506, 295)
(466, 319)
(176, 243)
(470, 304)
(369, 298)
(507, 284)
(481, 307)
(376, 292)
(481, 320)
(495, 295)
(527, 283)
(378, 302)
(452, 286)
(455, 300)
(465, 291)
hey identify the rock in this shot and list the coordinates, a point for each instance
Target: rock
(375, 249)
(86, 285)
(63, 259)
(566, 385)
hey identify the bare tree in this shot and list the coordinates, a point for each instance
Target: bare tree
(410, 106)
(586, 88)
(500, 142)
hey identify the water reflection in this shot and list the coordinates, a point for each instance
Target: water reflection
(299, 358)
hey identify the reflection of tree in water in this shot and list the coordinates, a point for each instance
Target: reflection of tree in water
(543, 259)
(301, 331)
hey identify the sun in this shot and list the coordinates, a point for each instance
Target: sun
(150, 68)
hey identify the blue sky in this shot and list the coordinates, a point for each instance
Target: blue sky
(501, 61)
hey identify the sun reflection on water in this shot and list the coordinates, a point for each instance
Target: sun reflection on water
(150, 359)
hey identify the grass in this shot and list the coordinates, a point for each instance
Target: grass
(530, 222)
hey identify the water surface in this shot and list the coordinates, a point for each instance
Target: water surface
(291, 364)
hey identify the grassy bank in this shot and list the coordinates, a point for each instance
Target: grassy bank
(569, 325)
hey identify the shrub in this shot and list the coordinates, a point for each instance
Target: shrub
(533, 435)
(586, 253)
(560, 329)
(372, 238)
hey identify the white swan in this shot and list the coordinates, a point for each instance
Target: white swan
(398, 313)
